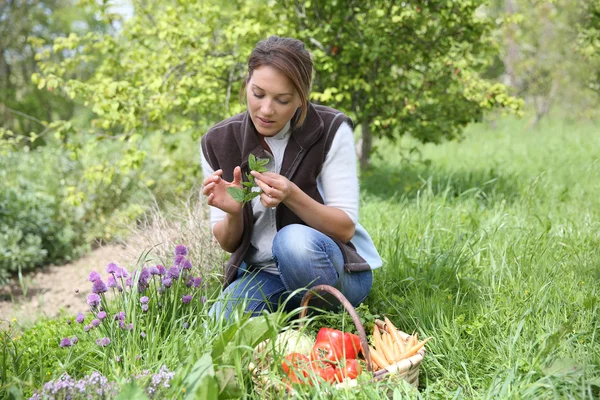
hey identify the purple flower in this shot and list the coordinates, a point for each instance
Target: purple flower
(161, 269)
(187, 264)
(186, 298)
(74, 340)
(80, 317)
(129, 281)
(112, 268)
(94, 276)
(103, 342)
(130, 326)
(121, 273)
(143, 334)
(153, 270)
(99, 287)
(190, 282)
(181, 250)
(167, 281)
(68, 322)
(93, 300)
(101, 315)
(173, 272)
(185, 325)
(144, 277)
(197, 282)
(144, 300)
(87, 328)
(122, 324)
(144, 307)
(179, 260)
(66, 342)
(117, 359)
(203, 299)
(120, 316)
(111, 282)
(161, 289)
(95, 322)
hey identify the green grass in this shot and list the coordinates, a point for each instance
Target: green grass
(491, 246)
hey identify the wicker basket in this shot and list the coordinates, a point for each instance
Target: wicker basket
(408, 369)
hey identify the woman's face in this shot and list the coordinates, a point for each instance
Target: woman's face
(272, 100)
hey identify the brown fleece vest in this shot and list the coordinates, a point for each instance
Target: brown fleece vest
(230, 142)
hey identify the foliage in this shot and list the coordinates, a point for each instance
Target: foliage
(589, 42)
(246, 193)
(36, 229)
(409, 68)
(55, 203)
(539, 55)
(25, 109)
(173, 67)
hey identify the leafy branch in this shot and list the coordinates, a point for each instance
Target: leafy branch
(246, 193)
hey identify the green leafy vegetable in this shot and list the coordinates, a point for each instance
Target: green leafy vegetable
(245, 194)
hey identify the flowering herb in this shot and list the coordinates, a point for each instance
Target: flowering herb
(186, 298)
(99, 287)
(112, 268)
(66, 342)
(181, 250)
(247, 192)
(94, 276)
(105, 341)
(93, 300)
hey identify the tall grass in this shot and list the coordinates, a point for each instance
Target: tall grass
(492, 248)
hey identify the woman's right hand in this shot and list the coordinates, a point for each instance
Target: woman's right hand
(215, 188)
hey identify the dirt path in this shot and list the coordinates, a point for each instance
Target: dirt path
(52, 289)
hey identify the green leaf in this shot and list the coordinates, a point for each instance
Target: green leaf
(249, 335)
(132, 391)
(252, 195)
(200, 383)
(563, 366)
(229, 387)
(251, 162)
(236, 193)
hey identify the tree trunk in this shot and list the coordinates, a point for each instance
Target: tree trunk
(512, 48)
(365, 146)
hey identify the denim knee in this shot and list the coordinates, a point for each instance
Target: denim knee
(305, 257)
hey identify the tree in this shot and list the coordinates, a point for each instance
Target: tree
(401, 68)
(176, 66)
(589, 43)
(537, 50)
(24, 108)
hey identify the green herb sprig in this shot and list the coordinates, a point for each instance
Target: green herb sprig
(245, 194)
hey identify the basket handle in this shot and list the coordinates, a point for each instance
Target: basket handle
(344, 301)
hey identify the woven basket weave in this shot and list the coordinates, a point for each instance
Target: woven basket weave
(408, 369)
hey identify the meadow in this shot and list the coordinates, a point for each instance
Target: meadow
(490, 246)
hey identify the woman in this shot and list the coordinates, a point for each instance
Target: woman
(302, 230)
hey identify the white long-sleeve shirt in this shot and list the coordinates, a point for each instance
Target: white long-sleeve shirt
(337, 183)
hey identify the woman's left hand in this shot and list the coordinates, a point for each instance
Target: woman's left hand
(276, 188)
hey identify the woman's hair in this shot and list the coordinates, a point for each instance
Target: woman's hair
(291, 58)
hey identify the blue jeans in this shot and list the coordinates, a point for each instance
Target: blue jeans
(305, 257)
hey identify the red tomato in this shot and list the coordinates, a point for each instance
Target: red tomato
(343, 345)
(352, 345)
(294, 363)
(350, 370)
(323, 370)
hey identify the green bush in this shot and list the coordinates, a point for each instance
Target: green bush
(54, 204)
